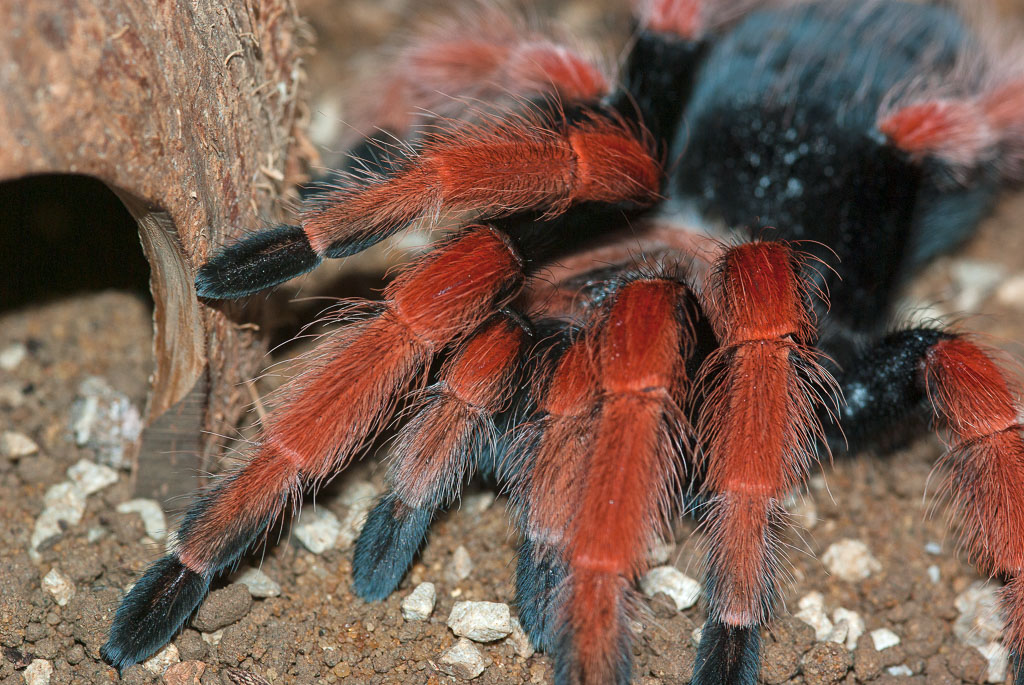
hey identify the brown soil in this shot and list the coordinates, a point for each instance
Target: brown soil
(318, 631)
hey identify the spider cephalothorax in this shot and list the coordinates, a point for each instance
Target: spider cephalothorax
(608, 353)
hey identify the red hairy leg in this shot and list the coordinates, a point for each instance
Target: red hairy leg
(559, 446)
(482, 55)
(493, 169)
(633, 472)
(757, 424)
(329, 412)
(964, 132)
(986, 455)
(433, 451)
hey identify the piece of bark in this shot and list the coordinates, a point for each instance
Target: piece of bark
(189, 111)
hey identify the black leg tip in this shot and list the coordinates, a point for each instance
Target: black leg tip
(386, 546)
(262, 260)
(153, 611)
(537, 584)
(727, 654)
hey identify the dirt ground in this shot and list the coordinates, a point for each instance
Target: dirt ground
(317, 631)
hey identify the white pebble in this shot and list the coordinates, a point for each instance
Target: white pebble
(480, 621)
(812, 612)
(683, 590)
(695, 636)
(661, 552)
(359, 497)
(520, 641)
(883, 638)
(213, 638)
(59, 586)
(317, 529)
(359, 493)
(998, 658)
(855, 625)
(974, 280)
(838, 634)
(151, 513)
(90, 477)
(12, 355)
(38, 672)
(850, 560)
(419, 604)
(259, 583)
(159, 662)
(802, 510)
(463, 660)
(64, 502)
(11, 395)
(979, 622)
(901, 670)
(460, 565)
(934, 574)
(933, 548)
(1011, 292)
(478, 503)
(15, 445)
(106, 421)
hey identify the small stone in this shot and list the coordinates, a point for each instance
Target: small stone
(162, 660)
(463, 660)
(480, 621)
(213, 638)
(979, 622)
(683, 590)
(696, 635)
(812, 612)
(883, 639)
(359, 496)
(317, 529)
(901, 670)
(106, 421)
(460, 566)
(64, 503)
(933, 548)
(59, 586)
(838, 634)
(90, 477)
(855, 625)
(520, 641)
(850, 560)
(802, 510)
(259, 583)
(1011, 292)
(184, 673)
(150, 512)
(222, 608)
(974, 281)
(38, 672)
(998, 658)
(661, 552)
(419, 604)
(16, 445)
(934, 574)
(478, 503)
(12, 355)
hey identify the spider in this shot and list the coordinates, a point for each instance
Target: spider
(669, 296)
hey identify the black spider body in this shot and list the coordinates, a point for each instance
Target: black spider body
(611, 356)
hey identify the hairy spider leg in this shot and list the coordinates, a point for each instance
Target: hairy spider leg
(437, 448)
(633, 474)
(552, 451)
(758, 429)
(327, 414)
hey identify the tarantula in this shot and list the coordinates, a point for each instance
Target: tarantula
(664, 289)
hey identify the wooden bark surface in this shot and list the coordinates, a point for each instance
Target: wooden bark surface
(187, 110)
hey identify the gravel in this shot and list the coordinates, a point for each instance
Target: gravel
(883, 639)
(481, 621)
(222, 608)
(16, 445)
(683, 590)
(159, 662)
(850, 560)
(259, 583)
(317, 528)
(460, 565)
(419, 604)
(463, 660)
(59, 585)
